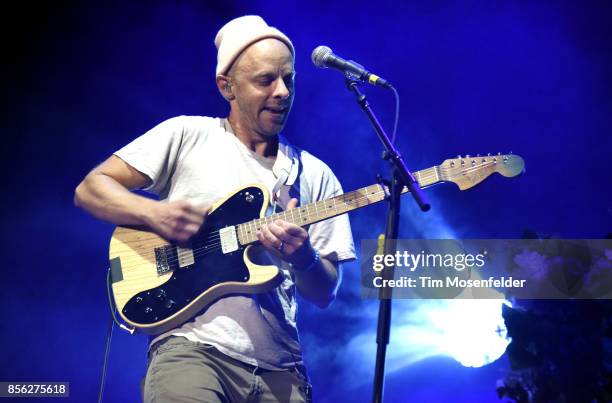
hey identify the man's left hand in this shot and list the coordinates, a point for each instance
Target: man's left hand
(289, 240)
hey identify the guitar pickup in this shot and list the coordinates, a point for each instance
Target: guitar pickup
(229, 239)
(185, 256)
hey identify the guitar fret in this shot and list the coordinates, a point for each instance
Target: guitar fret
(292, 216)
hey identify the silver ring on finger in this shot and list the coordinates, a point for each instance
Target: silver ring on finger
(282, 244)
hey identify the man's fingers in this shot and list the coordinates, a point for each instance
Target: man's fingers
(292, 204)
(292, 229)
(184, 219)
(191, 228)
(182, 237)
(197, 210)
(267, 238)
(192, 214)
(271, 237)
(189, 218)
(279, 232)
(203, 209)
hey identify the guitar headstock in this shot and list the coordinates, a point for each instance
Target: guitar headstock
(468, 171)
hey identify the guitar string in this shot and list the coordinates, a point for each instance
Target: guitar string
(209, 247)
(214, 236)
(214, 247)
(423, 176)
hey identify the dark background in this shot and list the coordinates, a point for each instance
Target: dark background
(82, 79)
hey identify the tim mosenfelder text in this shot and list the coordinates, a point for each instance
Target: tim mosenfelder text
(458, 262)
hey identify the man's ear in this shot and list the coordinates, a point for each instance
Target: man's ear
(224, 84)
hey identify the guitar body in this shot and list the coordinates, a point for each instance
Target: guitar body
(158, 285)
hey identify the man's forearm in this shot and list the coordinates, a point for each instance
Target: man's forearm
(320, 283)
(107, 199)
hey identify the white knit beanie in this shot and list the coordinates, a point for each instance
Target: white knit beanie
(239, 34)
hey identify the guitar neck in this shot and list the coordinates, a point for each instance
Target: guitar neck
(324, 209)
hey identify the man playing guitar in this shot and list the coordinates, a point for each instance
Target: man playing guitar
(242, 347)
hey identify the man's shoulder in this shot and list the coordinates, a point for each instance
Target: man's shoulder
(189, 128)
(194, 122)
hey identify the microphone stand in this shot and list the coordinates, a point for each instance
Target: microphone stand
(400, 177)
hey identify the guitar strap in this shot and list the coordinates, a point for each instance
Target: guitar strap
(280, 182)
(286, 172)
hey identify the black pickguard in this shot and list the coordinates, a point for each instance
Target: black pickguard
(208, 270)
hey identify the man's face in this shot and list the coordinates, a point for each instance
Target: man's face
(263, 84)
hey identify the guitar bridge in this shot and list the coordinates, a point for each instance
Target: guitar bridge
(229, 239)
(161, 260)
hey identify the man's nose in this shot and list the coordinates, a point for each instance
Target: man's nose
(280, 89)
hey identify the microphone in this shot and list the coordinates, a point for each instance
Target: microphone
(323, 57)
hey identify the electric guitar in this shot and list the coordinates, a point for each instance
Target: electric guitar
(157, 284)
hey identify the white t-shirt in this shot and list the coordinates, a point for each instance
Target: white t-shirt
(194, 158)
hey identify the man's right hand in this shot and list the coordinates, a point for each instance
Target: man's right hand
(106, 193)
(177, 220)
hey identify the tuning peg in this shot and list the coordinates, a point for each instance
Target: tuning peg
(477, 155)
(510, 153)
(467, 155)
(459, 156)
(488, 154)
(498, 153)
